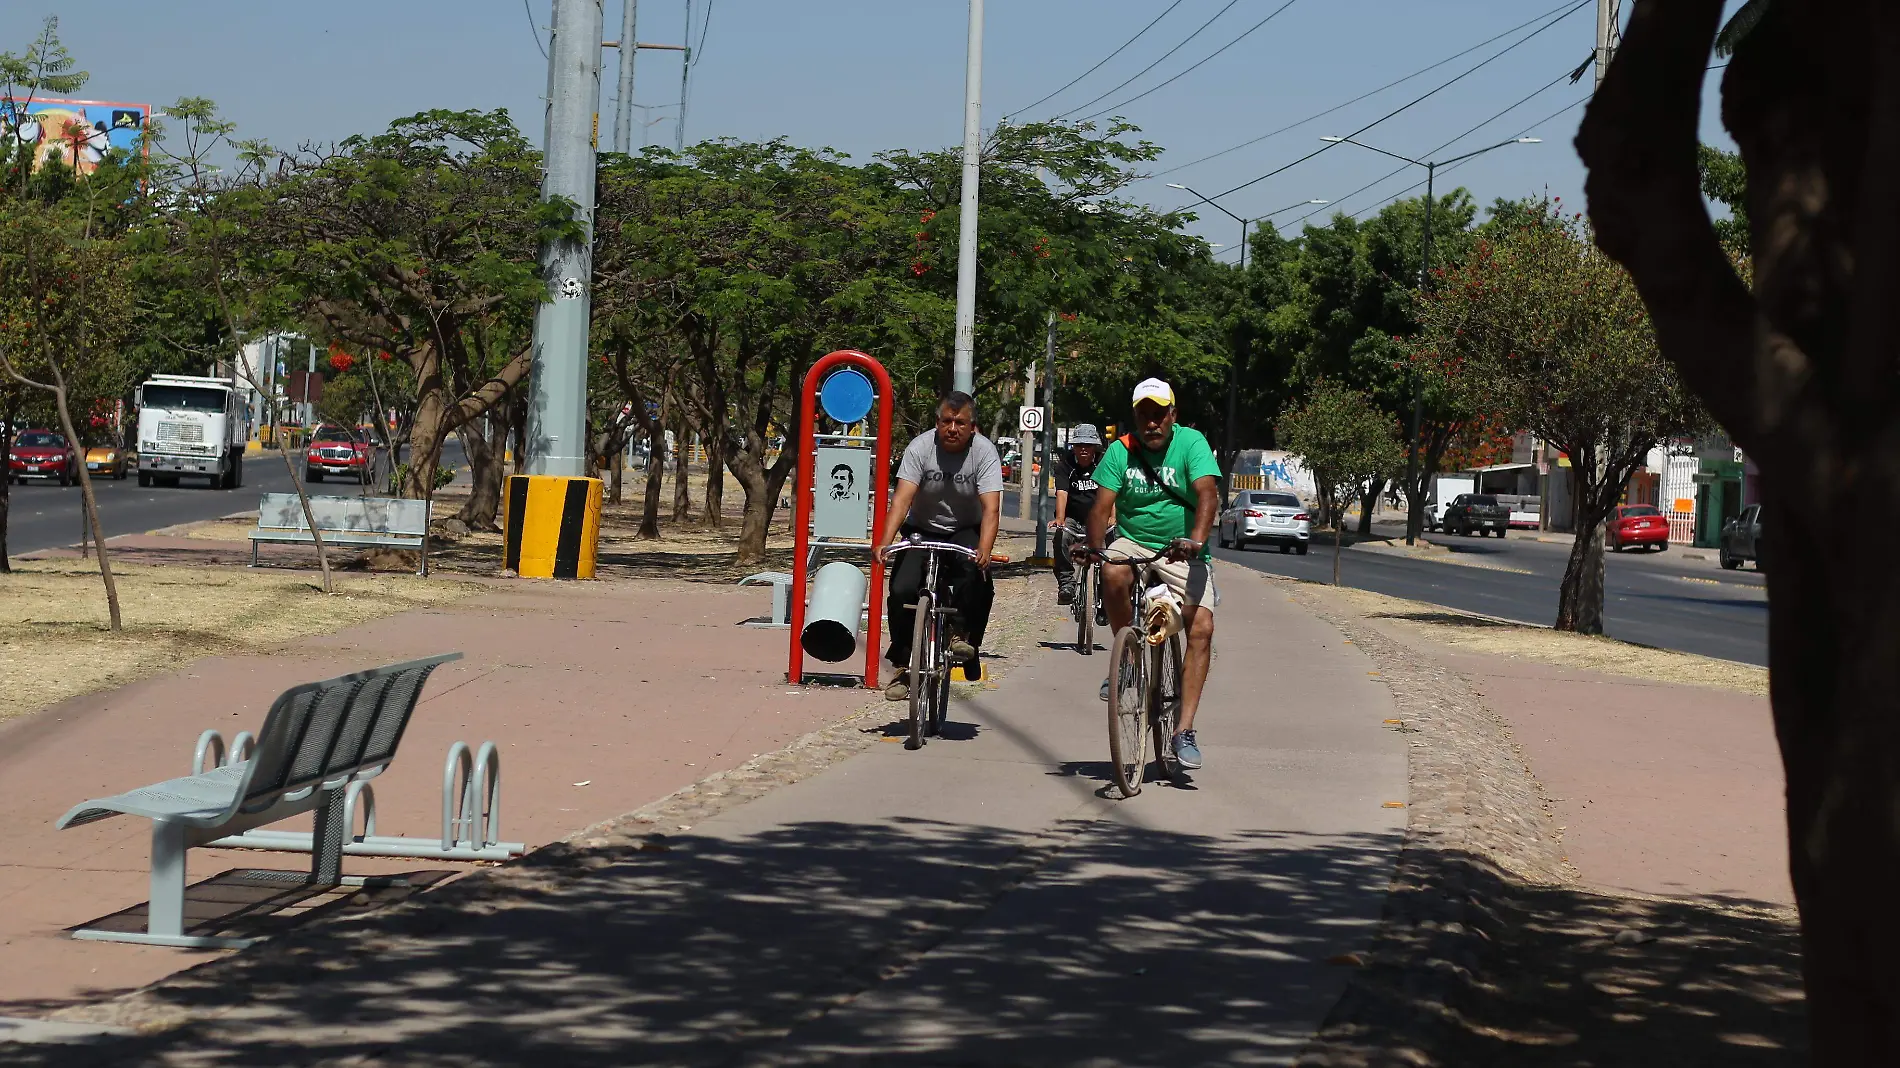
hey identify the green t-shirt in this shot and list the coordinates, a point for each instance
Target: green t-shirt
(1147, 514)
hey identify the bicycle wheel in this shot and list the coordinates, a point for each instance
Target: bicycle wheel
(940, 693)
(1167, 701)
(924, 666)
(1128, 709)
(1085, 612)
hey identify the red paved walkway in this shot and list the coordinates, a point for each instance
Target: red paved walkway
(633, 689)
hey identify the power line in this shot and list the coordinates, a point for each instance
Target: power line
(705, 26)
(1156, 63)
(1579, 6)
(533, 28)
(1098, 66)
(1190, 70)
(1362, 96)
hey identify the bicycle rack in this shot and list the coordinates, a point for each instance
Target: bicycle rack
(471, 808)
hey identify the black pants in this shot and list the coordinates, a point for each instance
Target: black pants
(964, 587)
(1063, 566)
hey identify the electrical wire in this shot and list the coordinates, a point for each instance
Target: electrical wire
(705, 26)
(1190, 70)
(1361, 96)
(1428, 94)
(1228, 7)
(1098, 66)
(534, 28)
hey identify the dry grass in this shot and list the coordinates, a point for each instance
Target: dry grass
(54, 643)
(1479, 634)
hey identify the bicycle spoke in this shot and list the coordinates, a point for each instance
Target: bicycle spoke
(1127, 710)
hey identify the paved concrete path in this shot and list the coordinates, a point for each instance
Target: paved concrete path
(982, 901)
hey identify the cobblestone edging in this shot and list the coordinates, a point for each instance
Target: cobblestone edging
(1477, 817)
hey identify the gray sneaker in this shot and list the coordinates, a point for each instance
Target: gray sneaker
(899, 689)
(961, 651)
(1187, 751)
(1104, 689)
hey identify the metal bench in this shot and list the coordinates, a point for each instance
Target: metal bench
(318, 739)
(392, 522)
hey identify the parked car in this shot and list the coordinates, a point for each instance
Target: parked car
(109, 460)
(1477, 513)
(1270, 517)
(1741, 539)
(42, 454)
(340, 452)
(1636, 525)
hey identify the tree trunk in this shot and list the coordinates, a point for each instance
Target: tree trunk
(91, 503)
(485, 440)
(682, 488)
(1580, 595)
(656, 470)
(1368, 502)
(6, 487)
(715, 443)
(1800, 372)
(616, 472)
(1339, 532)
(425, 447)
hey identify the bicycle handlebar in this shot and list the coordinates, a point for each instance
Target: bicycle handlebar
(916, 541)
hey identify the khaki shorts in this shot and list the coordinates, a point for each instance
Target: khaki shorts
(1193, 581)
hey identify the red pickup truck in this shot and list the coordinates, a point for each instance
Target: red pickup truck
(339, 452)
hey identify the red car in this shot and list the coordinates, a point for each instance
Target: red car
(43, 454)
(337, 452)
(1636, 525)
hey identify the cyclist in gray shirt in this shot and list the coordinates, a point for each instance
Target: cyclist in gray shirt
(949, 488)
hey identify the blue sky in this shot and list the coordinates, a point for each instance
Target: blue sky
(865, 75)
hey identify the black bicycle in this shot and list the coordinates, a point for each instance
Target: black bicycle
(1087, 609)
(929, 642)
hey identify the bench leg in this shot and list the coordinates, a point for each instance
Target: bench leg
(326, 841)
(165, 914)
(253, 554)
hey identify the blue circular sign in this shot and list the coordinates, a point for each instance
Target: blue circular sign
(846, 395)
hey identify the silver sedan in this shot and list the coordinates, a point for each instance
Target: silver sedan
(1276, 518)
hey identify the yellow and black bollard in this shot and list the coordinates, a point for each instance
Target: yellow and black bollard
(551, 526)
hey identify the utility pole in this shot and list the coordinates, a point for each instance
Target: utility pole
(1609, 34)
(1043, 516)
(623, 103)
(686, 68)
(963, 376)
(1026, 442)
(557, 398)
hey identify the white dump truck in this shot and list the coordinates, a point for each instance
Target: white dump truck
(190, 426)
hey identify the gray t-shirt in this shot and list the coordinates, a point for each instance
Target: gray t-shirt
(949, 483)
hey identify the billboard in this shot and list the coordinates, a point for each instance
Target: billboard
(75, 132)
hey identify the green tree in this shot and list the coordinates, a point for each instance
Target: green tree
(1346, 440)
(63, 302)
(421, 242)
(1552, 332)
(1725, 181)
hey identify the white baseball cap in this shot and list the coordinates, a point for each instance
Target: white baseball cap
(1154, 389)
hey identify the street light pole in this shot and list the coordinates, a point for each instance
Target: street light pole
(1413, 510)
(1240, 357)
(623, 104)
(963, 371)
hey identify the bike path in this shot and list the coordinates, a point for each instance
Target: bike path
(986, 900)
(1183, 926)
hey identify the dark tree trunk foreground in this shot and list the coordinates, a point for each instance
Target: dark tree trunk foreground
(1802, 374)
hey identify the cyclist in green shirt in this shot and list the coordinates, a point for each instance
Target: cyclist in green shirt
(1160, 486)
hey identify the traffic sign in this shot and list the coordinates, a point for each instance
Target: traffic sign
(1029, 418)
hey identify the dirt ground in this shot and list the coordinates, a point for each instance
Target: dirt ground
(54, 642)
(1481, 634)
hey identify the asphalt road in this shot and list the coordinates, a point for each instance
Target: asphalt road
(1658, 599)
(45, 516)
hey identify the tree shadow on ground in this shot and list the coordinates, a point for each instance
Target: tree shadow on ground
(919, 942)
(1539, 975)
